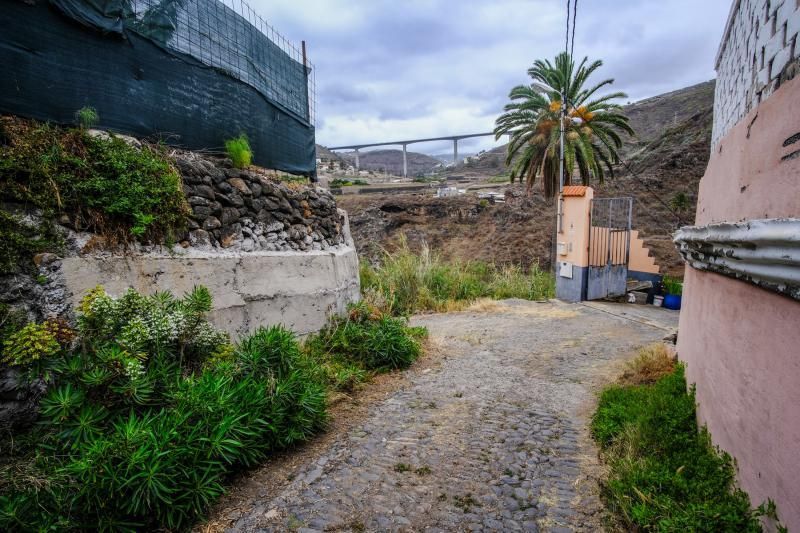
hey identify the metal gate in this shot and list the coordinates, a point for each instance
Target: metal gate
(609, 247)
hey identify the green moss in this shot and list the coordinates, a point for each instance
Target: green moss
(21, 240)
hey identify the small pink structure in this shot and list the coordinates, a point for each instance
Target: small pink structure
(739, 328)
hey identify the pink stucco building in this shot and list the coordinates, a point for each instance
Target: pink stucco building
(740, 323)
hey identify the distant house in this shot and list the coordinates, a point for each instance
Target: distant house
(740, 323)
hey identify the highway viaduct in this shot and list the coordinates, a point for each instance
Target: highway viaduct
(404, 144)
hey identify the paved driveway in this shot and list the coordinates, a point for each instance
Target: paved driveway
(495, 438)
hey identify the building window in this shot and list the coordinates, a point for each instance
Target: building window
(770, 74)
(785, 33)
(794, 45)
(766, 11)
(774, 24)
(763, 50)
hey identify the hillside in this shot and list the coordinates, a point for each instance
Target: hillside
(649, 118)
(391, 161)
(668, 157)
(324, 153)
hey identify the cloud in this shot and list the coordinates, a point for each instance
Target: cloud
(388, 70)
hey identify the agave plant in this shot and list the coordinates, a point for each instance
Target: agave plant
(592, 125)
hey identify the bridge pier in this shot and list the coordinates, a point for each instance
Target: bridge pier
(455, 152)
(358, 167)
(405, 162)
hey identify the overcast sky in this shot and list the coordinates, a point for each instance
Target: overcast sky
(401, 69)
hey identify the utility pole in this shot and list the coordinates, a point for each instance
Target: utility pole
(561, 144)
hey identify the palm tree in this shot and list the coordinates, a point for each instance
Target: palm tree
(592, 127)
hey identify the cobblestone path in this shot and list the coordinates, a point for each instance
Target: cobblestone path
(494, 439)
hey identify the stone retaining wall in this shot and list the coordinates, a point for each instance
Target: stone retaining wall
(244, 210)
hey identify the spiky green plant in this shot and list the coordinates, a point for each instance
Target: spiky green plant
(592, 126)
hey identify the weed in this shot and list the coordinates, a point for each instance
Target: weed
(651, 364)
(411, 282)
(423, 470)
(665, 473)
(402, 467)
(466, 502)
(458, 395)
(358, 526)
(86, 117)
(291, 178)
(239, 151)
(367, 337)
(442, 497)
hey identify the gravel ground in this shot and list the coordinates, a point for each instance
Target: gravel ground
(494, 438)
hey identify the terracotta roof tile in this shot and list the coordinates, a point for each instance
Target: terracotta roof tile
(574, 190)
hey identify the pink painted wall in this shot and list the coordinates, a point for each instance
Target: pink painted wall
(742, 343)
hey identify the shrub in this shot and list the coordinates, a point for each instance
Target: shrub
(31, 343)
(368, 338)
(135, 436)
(146, 324)
(122, 192)
(665, 475)
(424, 282)
(239, 151)
(151, 409)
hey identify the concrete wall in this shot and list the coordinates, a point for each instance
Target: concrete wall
(760, 40)
(640, 260)
(741, 343)
(297, 289)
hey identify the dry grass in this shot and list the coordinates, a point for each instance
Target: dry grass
(487, 305)
(652, 363)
